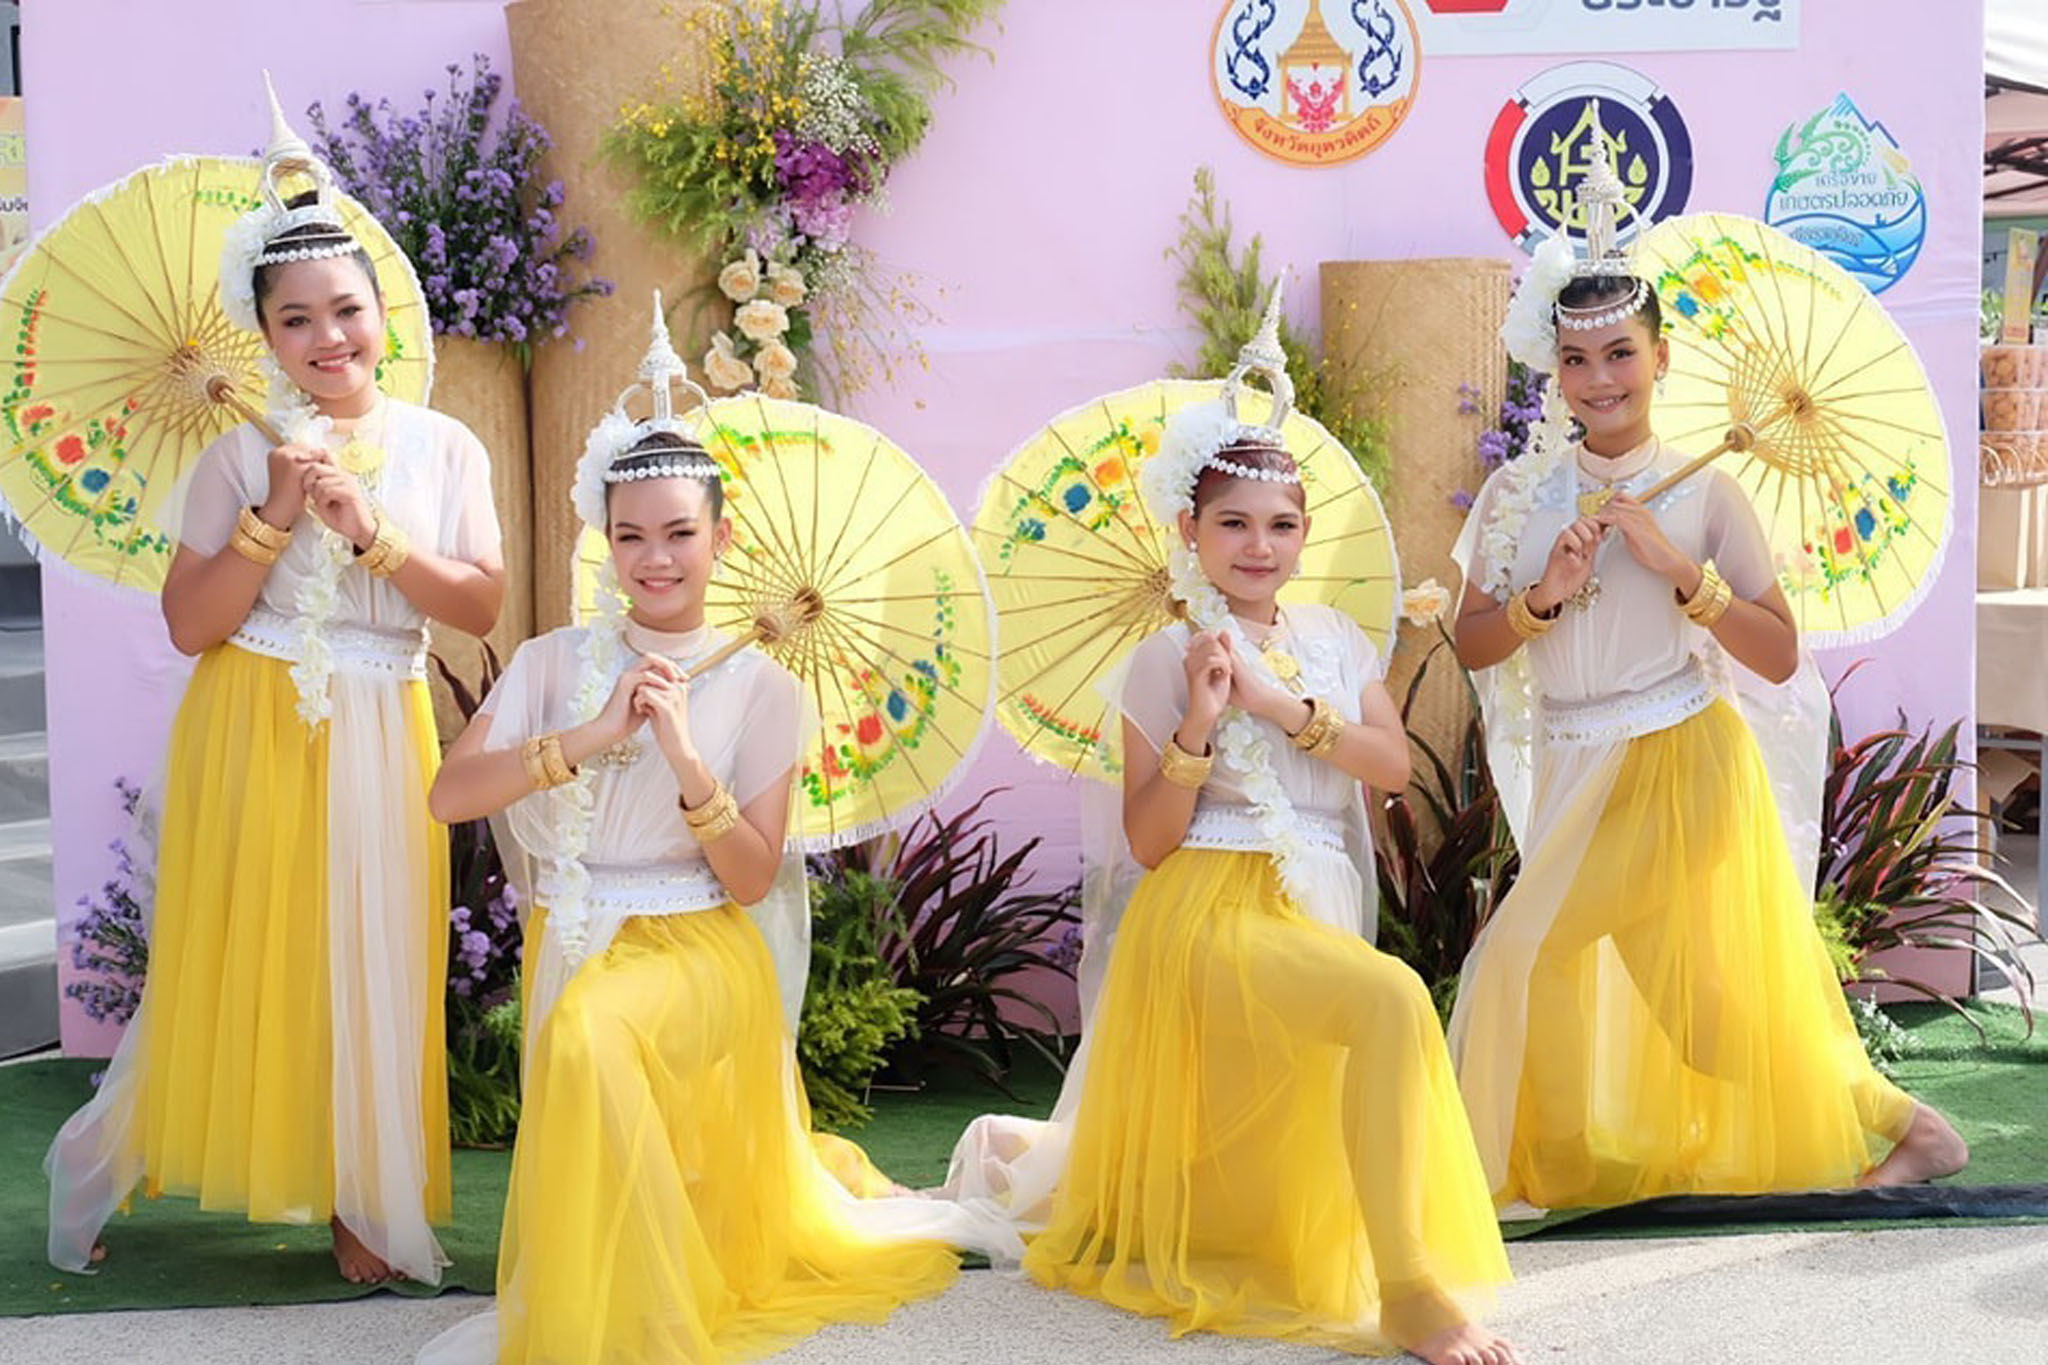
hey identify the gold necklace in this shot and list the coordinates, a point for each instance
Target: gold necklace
(1278, 661)
(365, 459)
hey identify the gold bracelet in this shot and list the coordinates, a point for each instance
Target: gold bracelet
(544, 763)
(262, 532)
(716, 818)
(1523, 618)
(251, 549)
(1322, 731)
(1711, 600)
(1184, 769)
(389, 549)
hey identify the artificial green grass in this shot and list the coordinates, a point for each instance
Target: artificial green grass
(168, 1254)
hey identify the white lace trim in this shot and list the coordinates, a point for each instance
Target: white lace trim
(1628, 715)
(359, 651)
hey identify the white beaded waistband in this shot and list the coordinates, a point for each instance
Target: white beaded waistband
(361, 650)
(665, 889)
(1235, 828)
(1629, 715)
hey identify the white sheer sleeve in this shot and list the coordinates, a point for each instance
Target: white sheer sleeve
(204, 511)
(1155, 687)
(469, 526)
(1735, 539)
(771, 730)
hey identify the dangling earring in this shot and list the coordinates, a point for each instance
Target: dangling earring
(1660, 383)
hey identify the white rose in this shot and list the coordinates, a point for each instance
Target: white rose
(1425, 603)
(780, 388)
(726, 370)
(786, 285)
(761, 320)
(775, 361)
(741, 279)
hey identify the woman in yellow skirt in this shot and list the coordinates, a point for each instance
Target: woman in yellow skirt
(1650, 1011)
(667, 1201)
(287, 1058)
(1263, 1136)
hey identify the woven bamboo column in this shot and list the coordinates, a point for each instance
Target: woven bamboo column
(482, 385)
(575, 65)
(1401, 337)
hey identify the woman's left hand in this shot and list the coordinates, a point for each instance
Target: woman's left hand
(664, 698)
(1255, 696)
(336, 497)
(1647, 542)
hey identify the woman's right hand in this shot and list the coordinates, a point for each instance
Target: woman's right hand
(287, 495)
(1569, 567)
(618, 720)
(1208, 665)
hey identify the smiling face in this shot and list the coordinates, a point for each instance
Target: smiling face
(1607, 376)
(325, 325)
(664, 542)
(1248, 536)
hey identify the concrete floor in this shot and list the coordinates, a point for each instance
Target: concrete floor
(1911, 1297)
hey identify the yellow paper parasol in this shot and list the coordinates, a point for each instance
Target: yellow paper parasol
(1790, 373)
(1077, 566)
(851, 569)
(117, 333)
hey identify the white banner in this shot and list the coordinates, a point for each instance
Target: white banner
(1464, 28)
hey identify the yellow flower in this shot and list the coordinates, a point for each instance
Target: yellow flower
(780, 388)
(1425, 603)
(724, 368)
(786, 285)
(761, 320)
(741, 279)
(775, 361)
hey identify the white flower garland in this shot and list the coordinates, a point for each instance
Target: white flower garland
(601, 659)
(1512, 500)
(292, 415)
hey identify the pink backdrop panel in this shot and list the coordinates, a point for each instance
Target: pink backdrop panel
(1037, 216)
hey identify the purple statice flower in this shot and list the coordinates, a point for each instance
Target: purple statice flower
(458, 185)
(110, 941)
(1468, 399)
(1065, 952)
(1461, 499)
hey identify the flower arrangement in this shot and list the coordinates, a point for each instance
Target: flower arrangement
(1521, 408)
(110, 942)
(1223, 291)
(457, 186)
(761, 154)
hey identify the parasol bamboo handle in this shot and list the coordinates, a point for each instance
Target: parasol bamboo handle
(221, 390)
(1741, 436)
(770, 624)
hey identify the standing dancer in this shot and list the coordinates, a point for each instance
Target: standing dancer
(287, 1058)
(1651, 1010)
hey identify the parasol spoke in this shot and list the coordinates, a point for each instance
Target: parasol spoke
(839, 639)
(1134, 556)
(880, 623)
(1111, 568)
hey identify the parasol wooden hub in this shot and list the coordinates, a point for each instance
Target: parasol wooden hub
(778, 621)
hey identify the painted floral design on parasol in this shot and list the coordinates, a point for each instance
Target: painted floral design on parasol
(1077, 566)
(850, 568)
(123, 361)
(1791, 374)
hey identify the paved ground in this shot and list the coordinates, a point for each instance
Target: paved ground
(1913, 1297)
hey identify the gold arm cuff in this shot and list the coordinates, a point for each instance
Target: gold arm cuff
(262, 532)
(252, 549)
(1184, 769)
(545, 766)
(715, 819)
(1324, 729)
(1523, 618)
(388, 551)
(1711, 600)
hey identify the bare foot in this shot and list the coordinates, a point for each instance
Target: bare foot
(1931, 1149)
(99, 1253)
(1467, 1344)
(359, 1264)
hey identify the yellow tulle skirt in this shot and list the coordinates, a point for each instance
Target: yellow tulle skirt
(1269, 1140)
(235, 1099)
(667, 1202)
(1684, 1031)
